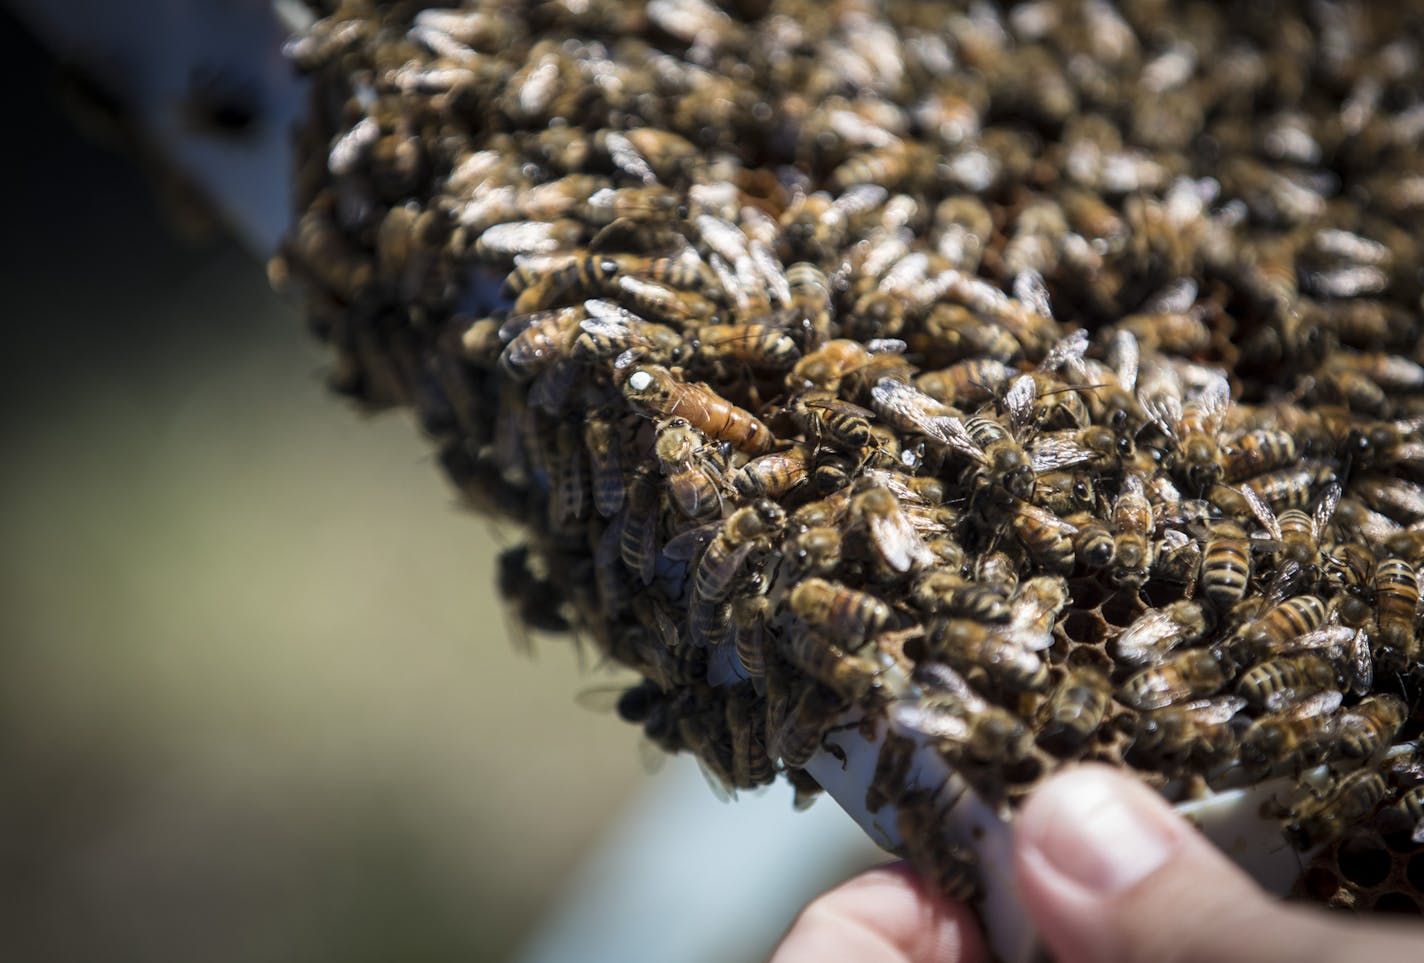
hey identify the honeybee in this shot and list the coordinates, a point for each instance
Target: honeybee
(799, 735)
(1407, 813)
(952, 332)
(1279, 624)
(824, 417)
(892, 771)
(1225, 569)
(942, 592)
(1189, 674)
(751, 766)
(655, 392)
(888, 531)
(960, 722)
(1065, 493)
(605, 452)
(759, 346)
(1007, 468)
(810, 308)
(614, 333)
(1046, 538)
(1200, 731)
(1368, 728)
(815, 550)
(1158, 631)
(1193, 427)
(729, 545)
(1289, 487)
(1255, 453)
(750, 617)
(1315, 820)
(1134, 550)
(1095, 448)
(649, 202)
(1075, 709)
(970, 382)
(1298, 533)
(1008, 656)
(569, 480)
(1275, 683)
(693, 469)
(849, 616)
(535, 341)
(1396, 588)
(850, 675)
(639, 527)
(664, 303)
(1294, 737)
(774, 474)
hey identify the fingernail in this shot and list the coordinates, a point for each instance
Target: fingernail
(1099, 830)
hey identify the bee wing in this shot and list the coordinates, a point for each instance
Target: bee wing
(1175, 298)
(515, 324)
(1145, 636)
(550, 389)
(602, 698)
(897, 540)
(1331, 639)
(1068, 351)
(687, 545)
(518, 238)
(1317, 705)
(771, 270)
(886, 346)
(1418, 835)
(1051, 454)
(1362, 666)
(610, 314)
(627, 158)
(1263, 512)
(1325, 508)
(935, 723)
(721, 236)
(1036, 605)
(1215, 398)
(859, 198)
(897, 401)
(1019, 401)
(1124, 356)
(1215, 711)
(1030, 288)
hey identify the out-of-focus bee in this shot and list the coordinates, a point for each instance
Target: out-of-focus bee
(1010, 658)
(605, 453)
(774, 474)
(1292, 738)
(694, 470)
(960, 722)
(653, 391)
(850, 675)
(1193, 427)
(569, 479)
(949, 868)
(649, 202)
(751, 766)
(953, 332)
(750, 615)
(942, 592)
(1132, 521)
(1158, 631)
(901, 165)
(801, 731)
(847, 615)
(663, 302)
(1255, 453)
(1289, 487)
(639, 527)
(810, 309)
(1317, 819)
(1396, 587)
(888, 532)
(1368, 728)
(614, 333)
(892, 771)
(841, 362)
(1275, 683)
(758, 346)
(815, 551)
(1189, 674)
(966, 383)
(1047, 538)
(1075, 709)
(1198, 732)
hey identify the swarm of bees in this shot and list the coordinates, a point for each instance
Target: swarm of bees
(1033, 383)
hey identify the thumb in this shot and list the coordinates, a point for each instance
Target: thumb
(1110, 872)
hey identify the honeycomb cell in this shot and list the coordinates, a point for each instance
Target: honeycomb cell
(1405, 904)
(1364, 862)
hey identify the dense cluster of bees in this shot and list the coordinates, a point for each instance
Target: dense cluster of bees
(1034, 383)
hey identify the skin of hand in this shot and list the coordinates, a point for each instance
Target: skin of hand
(1108, 872)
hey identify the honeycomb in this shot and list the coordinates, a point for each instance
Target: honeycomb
(1020, 383)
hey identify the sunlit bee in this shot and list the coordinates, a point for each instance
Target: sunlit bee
(1075, 709)
(826, 418)
(1182, 676)
(662, 302)
(1396, 585)
(848, 616)
(605, 206)
(1298, 533)
(1277, 682)
(1292, 738)
(774, 474)
(841, 359)
(968, 383)
(1065, 493)
(1158, 631)
(963, 725)
(1132, 521)
(615, 334)
(1193, 427)
(1047, 538)
(1318, 819)
(653, 391)
(536, 341)
(888, 532)
(1199, 732)
(693, 470)
(759, 346)
(1291, 487)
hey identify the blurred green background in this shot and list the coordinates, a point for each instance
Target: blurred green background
(258, 702)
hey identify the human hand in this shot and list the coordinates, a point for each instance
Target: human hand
(1108, 872)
